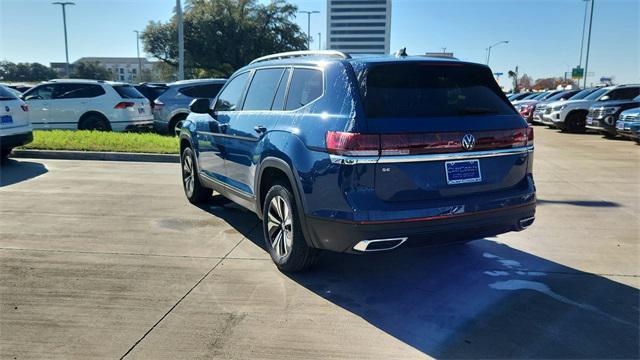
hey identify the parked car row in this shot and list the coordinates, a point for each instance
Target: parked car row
(611, 110)
(75, 104)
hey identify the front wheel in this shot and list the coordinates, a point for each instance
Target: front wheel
(193, 189)
(282, 232)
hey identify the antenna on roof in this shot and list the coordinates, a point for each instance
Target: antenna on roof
(402, 52)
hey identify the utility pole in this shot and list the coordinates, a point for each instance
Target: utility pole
(180, 41)
(138, 51)
(584, 24)
(309, 25)
(64, 23)
(586, 60)
(319, 41)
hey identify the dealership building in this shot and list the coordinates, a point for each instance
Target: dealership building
(359, 26)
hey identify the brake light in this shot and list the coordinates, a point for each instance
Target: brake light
(157, 105)
(124, 105)
(24, 107)
(353, 144)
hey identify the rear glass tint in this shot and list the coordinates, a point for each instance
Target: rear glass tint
(6, 94)
(208, 91)
(151, 92)
(431, 90)
(128, 92)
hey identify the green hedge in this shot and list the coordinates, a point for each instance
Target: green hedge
(103, 141)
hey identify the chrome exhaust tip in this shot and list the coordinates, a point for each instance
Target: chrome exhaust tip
(525, 223)
(379, 244)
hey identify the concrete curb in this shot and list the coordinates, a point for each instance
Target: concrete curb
(95, 155)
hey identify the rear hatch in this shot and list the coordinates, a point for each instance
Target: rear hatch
(134, 103)
(14, 113)
(432, 117)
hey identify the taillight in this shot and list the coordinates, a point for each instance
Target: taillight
(157, 105)
(24, 107)
(412, 144)
(353, 144)
(529, 136)
(124, 105)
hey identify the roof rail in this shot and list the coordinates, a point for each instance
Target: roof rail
(292, 54)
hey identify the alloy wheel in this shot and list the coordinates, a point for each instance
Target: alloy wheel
(178, 127)
(279, 226)
(188, 175)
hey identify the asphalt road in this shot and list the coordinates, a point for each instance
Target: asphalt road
(108, 259)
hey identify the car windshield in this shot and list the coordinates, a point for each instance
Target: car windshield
(6, 93)
(582, 94)
(127, 92)
(430, 90)
(559, 95)
(596, 94)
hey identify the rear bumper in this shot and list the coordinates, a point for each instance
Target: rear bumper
(343, 236)
(15, 140)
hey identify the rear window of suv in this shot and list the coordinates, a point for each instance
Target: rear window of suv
(6, 94)
(430, 90)
(127, 92)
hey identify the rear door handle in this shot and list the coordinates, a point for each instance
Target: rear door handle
(260, 129)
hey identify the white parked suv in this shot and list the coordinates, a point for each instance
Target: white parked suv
(15, 129)
(87, 105)
(571, 115)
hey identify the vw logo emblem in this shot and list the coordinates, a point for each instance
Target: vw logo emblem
(468, 142)
(6, 108)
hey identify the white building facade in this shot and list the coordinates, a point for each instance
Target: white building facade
(122, 68)
(359, 26)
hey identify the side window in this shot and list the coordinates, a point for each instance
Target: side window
(76, 91)
(624, 93)
(278, 100)
(262, 89)
(43, 92)
(229, 98)
(208, 91)
(306, 86)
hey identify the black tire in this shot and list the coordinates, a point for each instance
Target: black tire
(173, 124)
(608, 135)
(291, 253)
(193, 189)
(94, 122)
(575, 123)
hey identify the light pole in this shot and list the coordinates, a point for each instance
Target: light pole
(64, 23)
(586, 59)
(494, 45)
(180, 41)
(584, 24)
(319, 41)
(138, 52)
(309, 26)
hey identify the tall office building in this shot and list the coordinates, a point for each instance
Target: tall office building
(359, 26)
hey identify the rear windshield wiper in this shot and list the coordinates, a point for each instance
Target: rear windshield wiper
(477, 110)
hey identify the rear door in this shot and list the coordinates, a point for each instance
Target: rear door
(432, 118)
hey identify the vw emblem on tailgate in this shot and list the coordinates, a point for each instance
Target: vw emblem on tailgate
(6, 108)
(468, 142)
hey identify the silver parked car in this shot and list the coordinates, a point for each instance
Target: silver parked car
(172, 107)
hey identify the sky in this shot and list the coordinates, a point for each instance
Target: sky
(544, 35)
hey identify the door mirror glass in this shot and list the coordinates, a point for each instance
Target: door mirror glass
(605, 98)
(200, 106)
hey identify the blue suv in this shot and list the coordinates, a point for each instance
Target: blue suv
(362, 154)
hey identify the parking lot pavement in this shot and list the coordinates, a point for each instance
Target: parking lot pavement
(107, 259)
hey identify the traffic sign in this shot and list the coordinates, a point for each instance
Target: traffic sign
(577, 73)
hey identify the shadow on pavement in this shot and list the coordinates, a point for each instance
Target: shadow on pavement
(12, 171)
(479, 300)
(588, 203)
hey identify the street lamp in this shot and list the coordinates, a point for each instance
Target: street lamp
(64, 23)
(494, 45)
(309, 26)
(180, 40)
(138, 52)
(586, 59)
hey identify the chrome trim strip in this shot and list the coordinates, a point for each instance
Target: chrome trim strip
(229, 187)
(354, 160)
(246, 138)
(364, 244)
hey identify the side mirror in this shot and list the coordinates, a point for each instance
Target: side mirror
(605, 98)
(200, 106)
